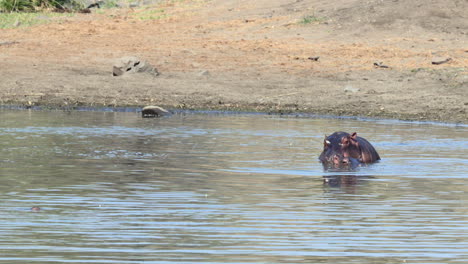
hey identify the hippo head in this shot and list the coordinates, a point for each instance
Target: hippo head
(341, 150)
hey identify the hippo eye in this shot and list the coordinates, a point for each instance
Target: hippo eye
(327, 142)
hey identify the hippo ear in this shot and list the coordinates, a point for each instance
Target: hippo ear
(353, 138)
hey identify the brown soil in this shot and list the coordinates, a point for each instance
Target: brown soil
(251, 55)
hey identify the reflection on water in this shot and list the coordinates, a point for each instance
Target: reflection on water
(115, 188)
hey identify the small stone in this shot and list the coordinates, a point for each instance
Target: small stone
(316, 58)
(349, 88)
(380, 65)
(440, 60)
(204, 73)
(154, 111)
(7, 43)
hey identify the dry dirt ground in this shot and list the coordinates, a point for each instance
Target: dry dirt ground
(250, 55)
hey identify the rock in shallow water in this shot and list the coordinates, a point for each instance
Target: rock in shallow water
(154, 111)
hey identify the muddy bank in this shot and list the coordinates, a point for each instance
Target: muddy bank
(269, 56)
(387, 94)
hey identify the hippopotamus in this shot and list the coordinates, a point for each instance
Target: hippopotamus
(35, 209)
(344, 150)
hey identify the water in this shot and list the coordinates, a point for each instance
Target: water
(194, 188)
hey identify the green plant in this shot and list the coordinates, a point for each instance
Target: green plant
(33, 5)
(151, 14)
(417, 70)
(9, 20)
(110, 4)
(310, 19)
(16, 5)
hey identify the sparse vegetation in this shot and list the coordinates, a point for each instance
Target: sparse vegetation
(109, 4)
(14, 13)
(15, 5)
(15, 19)
(35, 5)
(310, 19)
(418, 70)
(150, 14)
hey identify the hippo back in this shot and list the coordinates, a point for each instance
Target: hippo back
(368, 152)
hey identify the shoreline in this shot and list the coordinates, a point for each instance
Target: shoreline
(173, 111)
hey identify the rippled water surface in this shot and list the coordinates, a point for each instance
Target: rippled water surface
(197, 188)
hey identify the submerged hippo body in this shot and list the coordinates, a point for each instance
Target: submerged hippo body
(344, 150)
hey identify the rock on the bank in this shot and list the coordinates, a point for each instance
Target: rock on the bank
(440, 60)
(129, 64)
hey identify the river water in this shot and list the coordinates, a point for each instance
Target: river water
(216, 188)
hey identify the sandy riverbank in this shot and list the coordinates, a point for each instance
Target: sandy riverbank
(250, 55)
